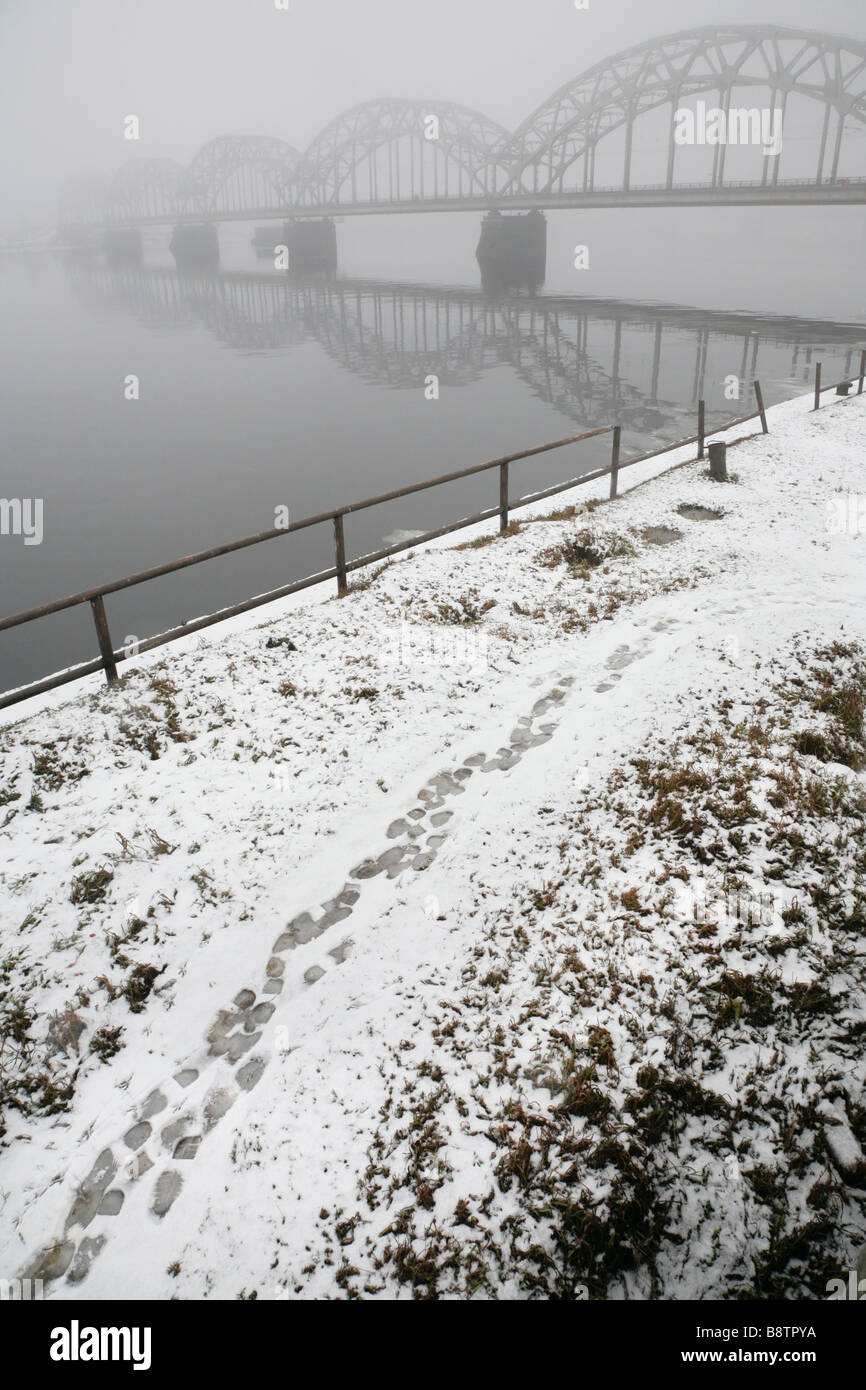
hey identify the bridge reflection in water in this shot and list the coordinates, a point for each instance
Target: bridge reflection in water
(595, 361)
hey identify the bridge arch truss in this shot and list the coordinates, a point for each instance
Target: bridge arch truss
(237, 173)
(554, 152)
(391, 152)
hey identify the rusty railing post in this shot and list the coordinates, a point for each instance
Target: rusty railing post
(759, 397)
(817, 385)
(340, 547)
(702, 420)
(614, 461)
(503, 498)
(106, 650)
(862, 372)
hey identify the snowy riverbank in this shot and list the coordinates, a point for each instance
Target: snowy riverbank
(497, 929)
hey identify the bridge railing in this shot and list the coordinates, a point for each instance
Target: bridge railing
(110, 657)
(728, 183)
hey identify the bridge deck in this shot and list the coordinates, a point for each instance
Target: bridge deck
(791, 193)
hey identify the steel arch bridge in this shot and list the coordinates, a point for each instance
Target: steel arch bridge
(581, 148)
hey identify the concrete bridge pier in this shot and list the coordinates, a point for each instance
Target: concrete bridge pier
(123, 245)
(195, 246)
(512, 252)
(312, 244)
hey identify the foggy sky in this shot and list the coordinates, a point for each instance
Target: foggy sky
(71, 70)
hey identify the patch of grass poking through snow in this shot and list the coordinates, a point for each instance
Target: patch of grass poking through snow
(586, 550)
(36, 1076)
(152, 724)
(7, 795)
(51, 770)
(106, 1043)
(465, 611)
(481, 542)
(368, 578)
(91, 887)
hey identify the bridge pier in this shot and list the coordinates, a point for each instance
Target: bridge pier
(312, 244)
(123, 245)
(512, 252)
(195, 246)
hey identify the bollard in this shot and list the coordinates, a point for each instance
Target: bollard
(718, 462)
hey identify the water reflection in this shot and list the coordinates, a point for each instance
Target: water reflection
(596, 361)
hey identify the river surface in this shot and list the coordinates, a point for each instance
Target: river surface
(257, 391)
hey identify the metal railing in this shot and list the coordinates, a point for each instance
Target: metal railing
(110, 657)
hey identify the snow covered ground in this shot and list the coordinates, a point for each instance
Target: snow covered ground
(494, 931)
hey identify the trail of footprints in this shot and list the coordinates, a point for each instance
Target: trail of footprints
(168, 1130)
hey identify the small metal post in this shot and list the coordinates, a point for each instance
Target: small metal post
(702, 417)
(340, 546)
(862, 372)
(614, 460)
(817, 385)
(759, 397)
(106, 650)
(718, 462)
(503, 498)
